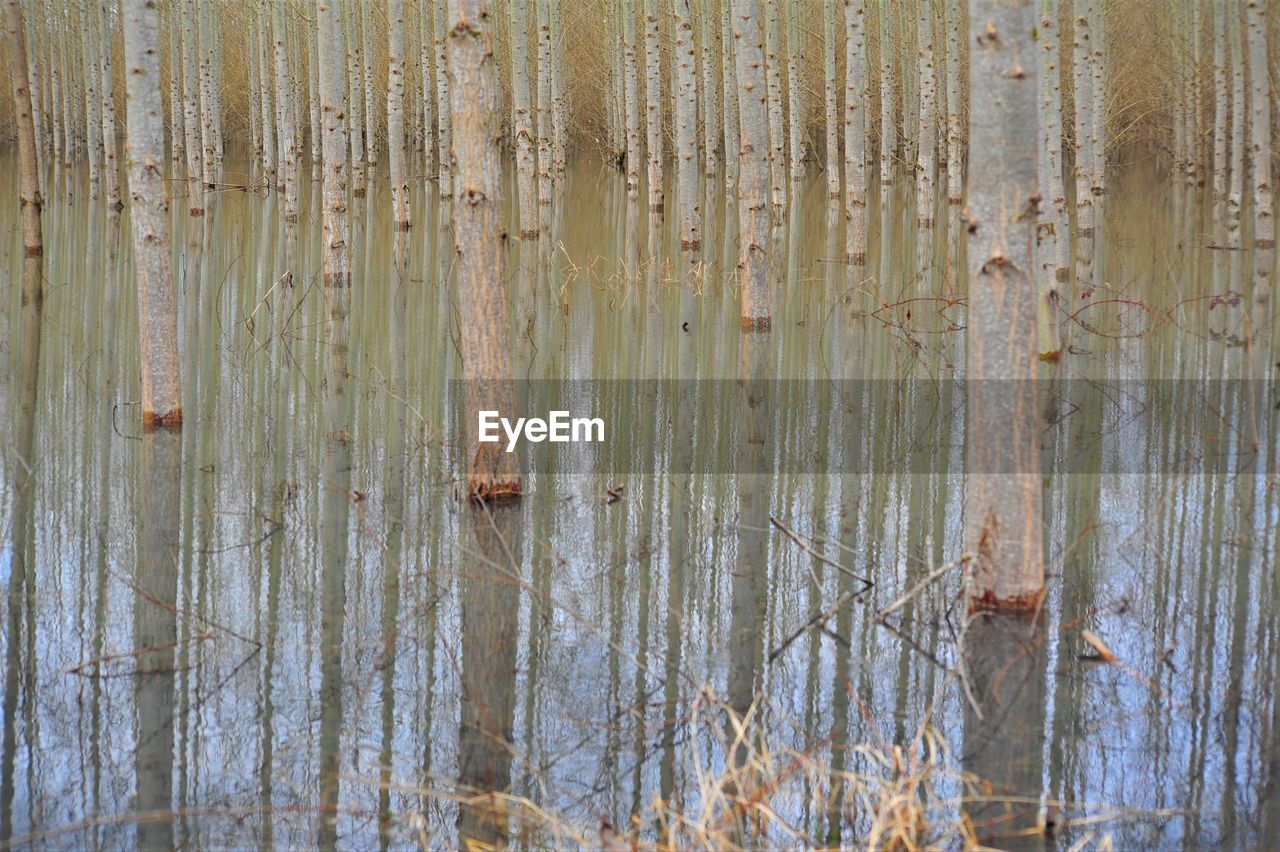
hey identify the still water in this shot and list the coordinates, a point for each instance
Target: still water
(731, 624)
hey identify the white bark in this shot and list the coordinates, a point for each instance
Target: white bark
(523, 120)
(284, 109)
(1221, 105)
(1098, 109)
(888, 133)
(753, 211)
(1051, 222)
(425, 55)
(1003, 491)
(1235, 186)
(777, 129)
(332, 84)
(266, 80)
(955, 154)
(395, 116)
(830, 97)
(1260, 147)
(632, 91)
(366, 78)
(795, 98)
(356, 126)
(708, 27)
(855, 130)
(110, 164)
(927, 144)
(687, 127)
(653, 102)
(191, 109)
(1080, 51)
(444, 120)
(546, 108)
(728, 79)
(149, 215)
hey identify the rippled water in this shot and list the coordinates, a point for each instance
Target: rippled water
(282, 626)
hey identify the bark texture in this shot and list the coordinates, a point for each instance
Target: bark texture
(149, 214)
(1003, 490)
(753, 168)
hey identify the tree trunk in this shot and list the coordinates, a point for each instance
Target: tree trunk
(1220, 103)
(149, 213)
(313, 86)
(1052, 221)
(92, 106)
(729, 83)
(653, 102)
(559, 96)
(955, 153)
(356, 126)
(395, 116)
(855, 130)
(525, 165)
(1235, 186)
(777, 129)
(110, 164)
(1003, 490)
(266, 80)
(1080, 49)
(795, 98)
(425, 54)
(927, 144)
(545, 110)
(687, 127)
(632, 90)
(366, 78)
(888, 133)
(492, 473)
(284, 109)
(753, 210)
(191, 109)
(332, 84)
(1098, 109)
(831, 97)
(444, 120)
(1260, 155)
(708, 26)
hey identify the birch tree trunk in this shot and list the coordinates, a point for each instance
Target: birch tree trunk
(545, 110)
(313, 86)
(795, 98)
(955, 175)
(559, 96)
(208, 133)
(1235, 186)
(729, 83)
(1051, 224)
(357, 126)
(366, 77)
(425, 54)
(1260, 154)
(191, 110)
(444, 118)
(284, 107)
(830, 97)
(1002, 515)
(149, 213)
(266, 79)
(92, 107)
(29, 197)
(395, 116)
(927, 145)
(632, 90)
(1082, 100)
(855, 130)
(777, 128)
(331, 74)
(1098, 109)
(708, 27)
(753, 169)
(1195, 169)
(521, 106)
(653, 101)
(687, 127)
(888, 134)
(492, 473)
(1220, 104)
(110, 164)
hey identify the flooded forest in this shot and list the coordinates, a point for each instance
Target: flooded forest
(639, 424)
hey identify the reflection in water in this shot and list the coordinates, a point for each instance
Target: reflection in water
(315, 512)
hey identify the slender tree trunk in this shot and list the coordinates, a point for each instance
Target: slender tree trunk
(708, 27)
(425, 54)
(331, 72)
(545, 110)
(855, 130)
(313, 88)
(29, 197)
(888, 133)
(617, 91)
(255, 87)
(1235, 186)
(149, 213)
(559, 95)
(955, 175)
(687, 127)
(191, 109)
(1003, 493)
(831, 97)
(525, 165)
(1098, 109)
(284, 107)
(395, 115)
(1051, 235)
(1221, 108)
(927, 145)
(358, 126)
(1260, 155)
(266, 80)
(444, 119)
(110, 163)
(632, 87)
(208, 133)
(1195, 169)
(89, 65)
(728, 79)
(1082, 99)
(492, 474)
(753, 204)
(653, 101)
(795, 98)
(777, 127)
(366, 78)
